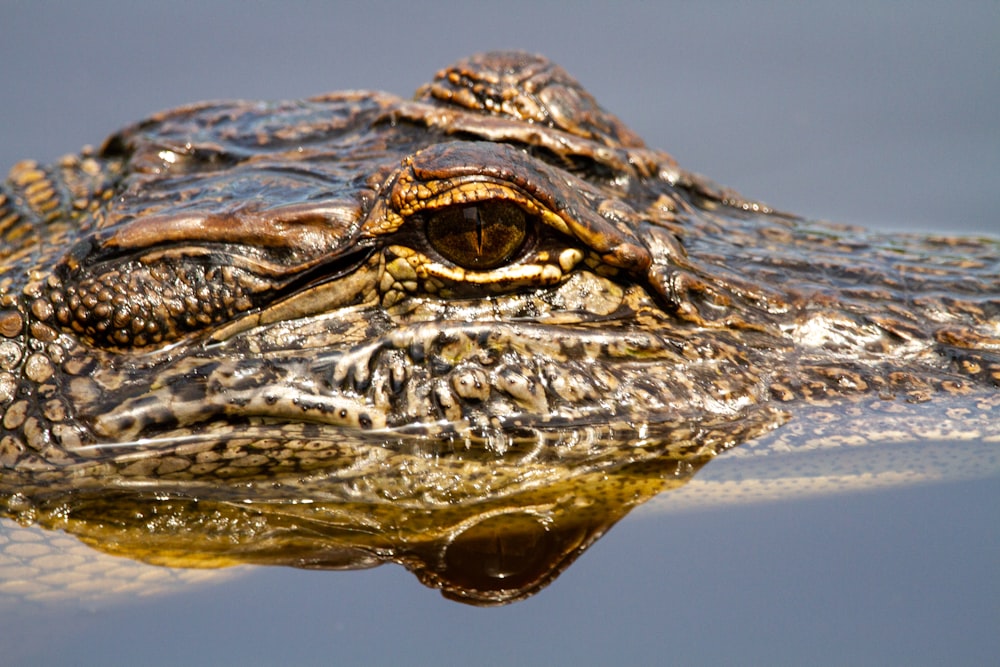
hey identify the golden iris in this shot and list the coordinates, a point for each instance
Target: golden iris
(478, 236)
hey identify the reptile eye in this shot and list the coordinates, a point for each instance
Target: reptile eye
(479, 236)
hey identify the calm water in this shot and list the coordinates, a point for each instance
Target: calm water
(868, 113)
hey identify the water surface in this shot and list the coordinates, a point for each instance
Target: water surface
(879, 114)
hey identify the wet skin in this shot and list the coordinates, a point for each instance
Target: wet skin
(466, 332)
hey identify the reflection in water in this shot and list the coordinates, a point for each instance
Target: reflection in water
(237, 351)
(485, 528)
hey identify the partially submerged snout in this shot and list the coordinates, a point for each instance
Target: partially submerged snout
(330, 323)
(461, 381)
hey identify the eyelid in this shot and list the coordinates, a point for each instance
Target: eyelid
(469, 171)
(511, 275)
(469, 193)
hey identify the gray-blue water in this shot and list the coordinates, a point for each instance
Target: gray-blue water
(883, 114)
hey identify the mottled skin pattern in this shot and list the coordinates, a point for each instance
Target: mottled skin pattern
(493, 296)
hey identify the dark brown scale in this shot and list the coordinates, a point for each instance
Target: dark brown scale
(141, 306)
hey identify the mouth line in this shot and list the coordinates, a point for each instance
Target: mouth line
(324, 287)
(449, 380)
(409, 457)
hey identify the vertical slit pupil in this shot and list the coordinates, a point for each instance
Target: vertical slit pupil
(471, 214)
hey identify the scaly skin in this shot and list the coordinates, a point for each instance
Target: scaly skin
(410, 313)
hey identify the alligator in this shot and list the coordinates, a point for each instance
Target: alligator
(465, 332)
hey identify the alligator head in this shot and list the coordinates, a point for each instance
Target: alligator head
(453, 316)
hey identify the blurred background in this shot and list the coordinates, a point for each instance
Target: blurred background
(876, 113)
